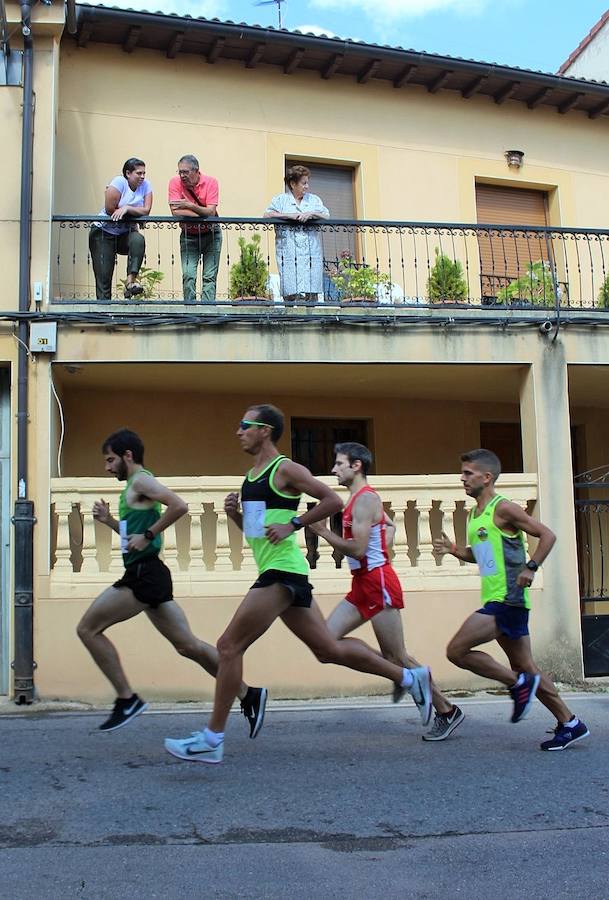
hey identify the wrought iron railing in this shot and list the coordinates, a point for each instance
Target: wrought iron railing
(341, 262)
(592, 528)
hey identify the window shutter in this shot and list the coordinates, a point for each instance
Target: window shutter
(503, 258)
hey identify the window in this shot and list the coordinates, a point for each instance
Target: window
(503, 259)
(504, 439)
(313, 440)
(334, 184)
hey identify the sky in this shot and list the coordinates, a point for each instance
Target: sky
(531, 34)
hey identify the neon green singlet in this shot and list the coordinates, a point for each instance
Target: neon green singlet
(137, 521)
(264, 505)
(500, 557)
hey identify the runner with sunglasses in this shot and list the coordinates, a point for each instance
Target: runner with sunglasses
(270, 497)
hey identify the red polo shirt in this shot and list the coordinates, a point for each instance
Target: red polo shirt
(205, 192)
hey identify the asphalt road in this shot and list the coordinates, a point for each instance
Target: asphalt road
(332, 802)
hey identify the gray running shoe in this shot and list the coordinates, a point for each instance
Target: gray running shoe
(444, 724)
(421, 692)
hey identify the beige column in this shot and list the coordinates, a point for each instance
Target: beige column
(223, 556)
(546, 444)
(89, 546)
(63, 552)
(426, 559)
(196, 565)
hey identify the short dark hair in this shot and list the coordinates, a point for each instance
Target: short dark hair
(270, 415)
(295, 173)
(354, 451)
(484, 459)
(132, 163)
(122, 440)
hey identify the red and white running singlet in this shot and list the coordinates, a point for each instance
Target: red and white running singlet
(376, 551)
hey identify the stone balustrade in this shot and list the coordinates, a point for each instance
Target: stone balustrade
(206, 553)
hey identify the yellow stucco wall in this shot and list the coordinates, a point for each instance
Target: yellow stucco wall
(417, 155)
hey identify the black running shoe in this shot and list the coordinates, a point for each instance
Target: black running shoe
(444, 725)
(523, 695)
(252, 707)
(124, 711)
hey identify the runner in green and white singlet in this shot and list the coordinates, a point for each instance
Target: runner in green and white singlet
(495, 533)
(146, 584)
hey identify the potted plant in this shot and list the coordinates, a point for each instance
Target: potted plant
(149, 279)
(446, 283)
(249, 275)
(355, 281)
(535, 288)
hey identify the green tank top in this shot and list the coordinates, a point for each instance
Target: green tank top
(136, 521)
(500, 557)
(264, 505)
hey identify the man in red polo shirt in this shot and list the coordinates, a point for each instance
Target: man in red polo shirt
(195, 195)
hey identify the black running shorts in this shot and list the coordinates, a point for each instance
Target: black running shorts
(149, 580)
(298, 585)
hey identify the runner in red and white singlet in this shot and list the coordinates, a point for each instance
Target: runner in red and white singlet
(375, 582)
(376, 593)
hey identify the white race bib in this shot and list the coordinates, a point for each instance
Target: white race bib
(254, 512)
(122, 530)
(484, 556)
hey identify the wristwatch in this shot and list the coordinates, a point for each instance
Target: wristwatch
(532, 565)
(296, 523)
(149, 535)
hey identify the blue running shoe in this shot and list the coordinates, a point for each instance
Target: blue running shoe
(523, 695)
(565, 735)
(195, 748)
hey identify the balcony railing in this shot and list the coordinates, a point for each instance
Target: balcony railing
(347, 263)
(206, 553)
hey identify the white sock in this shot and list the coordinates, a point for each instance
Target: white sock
(519, 680)
(213, 738)
(407, 679)
(573, 722)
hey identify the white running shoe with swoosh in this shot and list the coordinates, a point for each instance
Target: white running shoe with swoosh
(195, 748)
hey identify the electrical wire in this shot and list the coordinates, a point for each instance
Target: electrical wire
(62, 421)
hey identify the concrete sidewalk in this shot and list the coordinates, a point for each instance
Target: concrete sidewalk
(333, 800)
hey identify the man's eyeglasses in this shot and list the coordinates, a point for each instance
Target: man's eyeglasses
(185, 171)
(244, 424)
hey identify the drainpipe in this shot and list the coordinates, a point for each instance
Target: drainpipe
(23, 519)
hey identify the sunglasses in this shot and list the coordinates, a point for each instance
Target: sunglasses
(244, 424)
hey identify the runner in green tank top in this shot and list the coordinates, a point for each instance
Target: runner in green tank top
(269, 502)
(146, 585)
(495, 534)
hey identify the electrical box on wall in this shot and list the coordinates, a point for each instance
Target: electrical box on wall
(43, 337)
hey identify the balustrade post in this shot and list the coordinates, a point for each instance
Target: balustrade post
(426, 559)
(448, 508)
(90, 563)
(401, 560)
(195, 562)
(116, 556)
(170, 548)
(223, 561)
(63, 551)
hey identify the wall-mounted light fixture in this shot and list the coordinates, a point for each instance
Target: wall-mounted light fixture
(514, 158)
